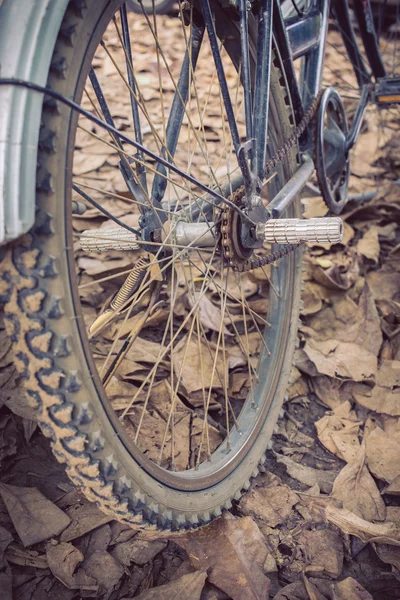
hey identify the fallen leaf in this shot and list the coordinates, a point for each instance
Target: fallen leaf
(394, 486)
(104, 569)
(341, 359)
(26, 558)
(209, 314)
(338, 432)
(357, 491)
(379, 399)
(383, 454)
(298, 591)
(308, 475)
(339, 276)
(332, 392)
(269, 505)
(84, 518)
(350, 589)
(196, 367)
(63, 558)
(323, 552)
(384, 285)
(137, 550)
(368, 245)
(233, 552)
(389, 554)
(5, 540)
(187, 587)
(388, 374)
(351, 524)
(347, 321)
(34, 517)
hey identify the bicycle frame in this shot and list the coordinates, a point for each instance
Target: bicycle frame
(301, 37)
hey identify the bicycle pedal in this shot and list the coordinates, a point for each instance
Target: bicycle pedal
(326, 230)
(104, 240)
(387, 91)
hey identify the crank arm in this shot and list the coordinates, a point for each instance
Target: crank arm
(358, 117)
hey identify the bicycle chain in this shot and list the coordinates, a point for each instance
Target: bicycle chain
(237, 198)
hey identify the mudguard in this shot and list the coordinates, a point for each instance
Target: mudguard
(28, 32)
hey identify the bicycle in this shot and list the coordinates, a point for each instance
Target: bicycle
(159, 373)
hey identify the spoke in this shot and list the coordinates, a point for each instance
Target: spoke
(105, 212)
(226, 376)
(207, 343)
(178, 108)
(125, 168)
(118, 196)
(203, 391)
(196, 95)
(238, 338)
(225, 91)
(165, 350)
(239, 279)
(134, 105)
(170, 166)
(180, 97)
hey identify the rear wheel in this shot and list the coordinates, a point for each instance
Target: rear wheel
(163, 412)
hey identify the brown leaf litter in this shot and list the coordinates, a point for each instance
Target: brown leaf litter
(322, 522)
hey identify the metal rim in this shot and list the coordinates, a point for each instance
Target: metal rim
(220, 466)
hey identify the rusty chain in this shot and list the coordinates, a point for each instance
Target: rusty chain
(237, 198)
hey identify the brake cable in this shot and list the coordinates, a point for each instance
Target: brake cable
(159, 159)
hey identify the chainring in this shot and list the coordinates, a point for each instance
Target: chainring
(332, 160)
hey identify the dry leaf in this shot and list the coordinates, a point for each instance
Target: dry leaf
(332, 392)
(84, 518)
(348, 322)
(209, 314)
(368, 245)
(34, 517)
(269, 505)
(389, 554)
(104, 569)
(384, 285)
(338, 432)
(358, 492)
(394, 486)
(187, 587)
(196, 368)
(379, 399)
(341, 359)
(299, 591)
(351, 524)
(339, 276)
(350, 589)
(26, 558)
(383, 454)
(233, 552)
(63, 558)
(5, 540)
(137, 550)
(308, 475)
(323, 551)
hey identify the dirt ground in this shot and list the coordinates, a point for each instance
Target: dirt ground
(322, 521)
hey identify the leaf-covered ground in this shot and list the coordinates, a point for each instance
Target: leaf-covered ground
(322, 522)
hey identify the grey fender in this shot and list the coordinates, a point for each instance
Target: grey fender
(28, 32)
